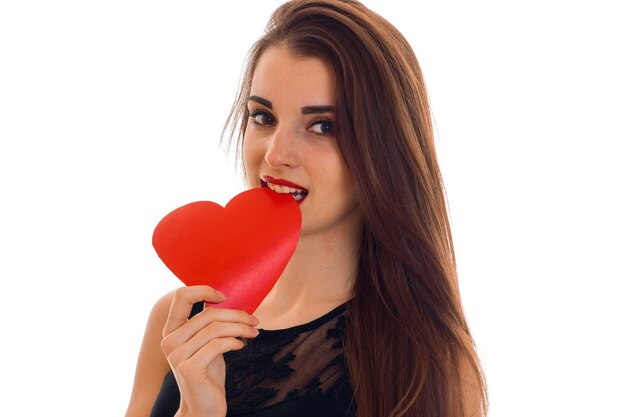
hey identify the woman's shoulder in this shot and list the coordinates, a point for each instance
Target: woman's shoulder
(151, 364)
(161, 308)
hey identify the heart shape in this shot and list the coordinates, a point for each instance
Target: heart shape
(240, 249)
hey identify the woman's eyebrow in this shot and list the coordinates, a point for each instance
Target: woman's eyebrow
(262, 101)
(305, 110)
(317, 109)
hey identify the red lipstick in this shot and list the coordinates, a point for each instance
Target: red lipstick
(279, 181)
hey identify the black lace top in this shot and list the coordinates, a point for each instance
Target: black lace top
(298, 371)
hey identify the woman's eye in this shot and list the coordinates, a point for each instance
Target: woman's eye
(261, 118)
(322, 127)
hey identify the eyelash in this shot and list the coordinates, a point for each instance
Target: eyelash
(258, 112)
(319, 121)
(253, 113)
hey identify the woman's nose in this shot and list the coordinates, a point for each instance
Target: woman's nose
(280, 150)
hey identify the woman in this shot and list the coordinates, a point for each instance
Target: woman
(366, 319)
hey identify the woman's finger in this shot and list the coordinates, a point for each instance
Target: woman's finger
(184, 299)
(177, 353)
(197, 323)
(201, 360)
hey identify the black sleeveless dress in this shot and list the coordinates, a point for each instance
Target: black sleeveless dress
(298, 371)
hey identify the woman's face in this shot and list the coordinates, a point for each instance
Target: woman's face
(290, 144)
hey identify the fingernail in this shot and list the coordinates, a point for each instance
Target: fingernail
(255, 321)
(221, 295)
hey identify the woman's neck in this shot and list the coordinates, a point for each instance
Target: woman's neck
(320, 274)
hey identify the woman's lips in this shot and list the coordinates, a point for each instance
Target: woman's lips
(282, 186)
(280, 181)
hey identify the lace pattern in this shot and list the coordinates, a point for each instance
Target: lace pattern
(283, 365)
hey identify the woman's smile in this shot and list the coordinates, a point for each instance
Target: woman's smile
(283, 186)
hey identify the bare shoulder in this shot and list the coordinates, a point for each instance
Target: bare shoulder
(151, 364)
(161, 309)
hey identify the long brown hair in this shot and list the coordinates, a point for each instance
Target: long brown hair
(408, 348)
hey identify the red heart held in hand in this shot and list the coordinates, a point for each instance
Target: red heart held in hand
(240, 249)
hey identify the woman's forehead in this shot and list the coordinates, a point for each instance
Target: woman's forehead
(279, 74)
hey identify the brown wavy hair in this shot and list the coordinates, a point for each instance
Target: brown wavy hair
(408, 348)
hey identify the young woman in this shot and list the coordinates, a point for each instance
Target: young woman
(366, 319)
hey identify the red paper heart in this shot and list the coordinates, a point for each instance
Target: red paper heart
(240, 250)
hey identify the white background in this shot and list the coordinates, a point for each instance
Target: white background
(110, 114)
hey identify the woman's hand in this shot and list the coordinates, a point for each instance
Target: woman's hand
(194, 348)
